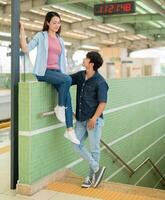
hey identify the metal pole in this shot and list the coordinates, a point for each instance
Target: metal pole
(15, 17)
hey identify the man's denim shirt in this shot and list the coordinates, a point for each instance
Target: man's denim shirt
(90, 93)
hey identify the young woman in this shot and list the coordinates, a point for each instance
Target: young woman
(50, 66)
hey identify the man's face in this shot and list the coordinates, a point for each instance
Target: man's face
(87, 64)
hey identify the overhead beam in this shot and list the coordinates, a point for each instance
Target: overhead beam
(87, 11)
(78, 25)
(145, 43)
(84, 26)
(90, 40)
(68, 39)
(25, 5)
(81, 25)
(151, 31)
(71, 1)
(133, 18)
(128, 43)
(158, 44)
(152, 4)
(111, 37)
(7, 29)
(32, 16)
(5, 38)
(84, 10)
(27, 27)
(95, 20)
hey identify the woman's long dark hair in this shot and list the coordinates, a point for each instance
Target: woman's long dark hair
(48, 18)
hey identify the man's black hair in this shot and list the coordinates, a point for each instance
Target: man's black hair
(95, 58)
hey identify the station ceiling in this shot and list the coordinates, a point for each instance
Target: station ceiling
(81, 28)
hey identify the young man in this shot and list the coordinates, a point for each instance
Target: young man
(90, 103)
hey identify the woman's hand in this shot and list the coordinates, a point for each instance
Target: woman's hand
(23, 43)
(21, 26)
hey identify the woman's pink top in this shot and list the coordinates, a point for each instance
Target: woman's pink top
(54, 51)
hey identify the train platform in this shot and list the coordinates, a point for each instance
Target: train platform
(37, 162)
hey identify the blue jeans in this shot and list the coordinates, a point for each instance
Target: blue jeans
(94, 136)
(62, 83)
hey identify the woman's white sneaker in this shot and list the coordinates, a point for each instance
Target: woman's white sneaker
(60, 113)
(70, 135)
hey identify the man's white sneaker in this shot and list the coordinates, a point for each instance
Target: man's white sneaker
(60, 113)
(87, 182)
(70, 135)
(97, 176)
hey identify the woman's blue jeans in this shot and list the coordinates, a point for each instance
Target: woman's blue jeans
(62, 83)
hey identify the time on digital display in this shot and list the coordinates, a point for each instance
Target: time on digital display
(114, 8)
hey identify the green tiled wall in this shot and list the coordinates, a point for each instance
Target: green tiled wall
(5, 79)
(134, 132)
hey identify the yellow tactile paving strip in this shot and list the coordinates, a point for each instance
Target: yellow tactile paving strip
(4, 149)
(100, 192)
(4, 125)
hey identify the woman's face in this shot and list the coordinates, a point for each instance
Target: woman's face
(54, 24)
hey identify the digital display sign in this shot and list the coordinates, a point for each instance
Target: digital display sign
(114, 8)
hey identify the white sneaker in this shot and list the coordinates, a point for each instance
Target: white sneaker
(60, 113)
(70, 135)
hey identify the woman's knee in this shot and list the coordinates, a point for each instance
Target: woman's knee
(40, 78)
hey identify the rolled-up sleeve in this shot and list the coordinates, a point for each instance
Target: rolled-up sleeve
(75, 78)
(102, 92)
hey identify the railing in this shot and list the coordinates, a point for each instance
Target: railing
(128, 168)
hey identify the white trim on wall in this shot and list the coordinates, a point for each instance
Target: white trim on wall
(141, 178)
(134, 158)
(41, 130)
(59, 125)
(133, 104)
(158, 182)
